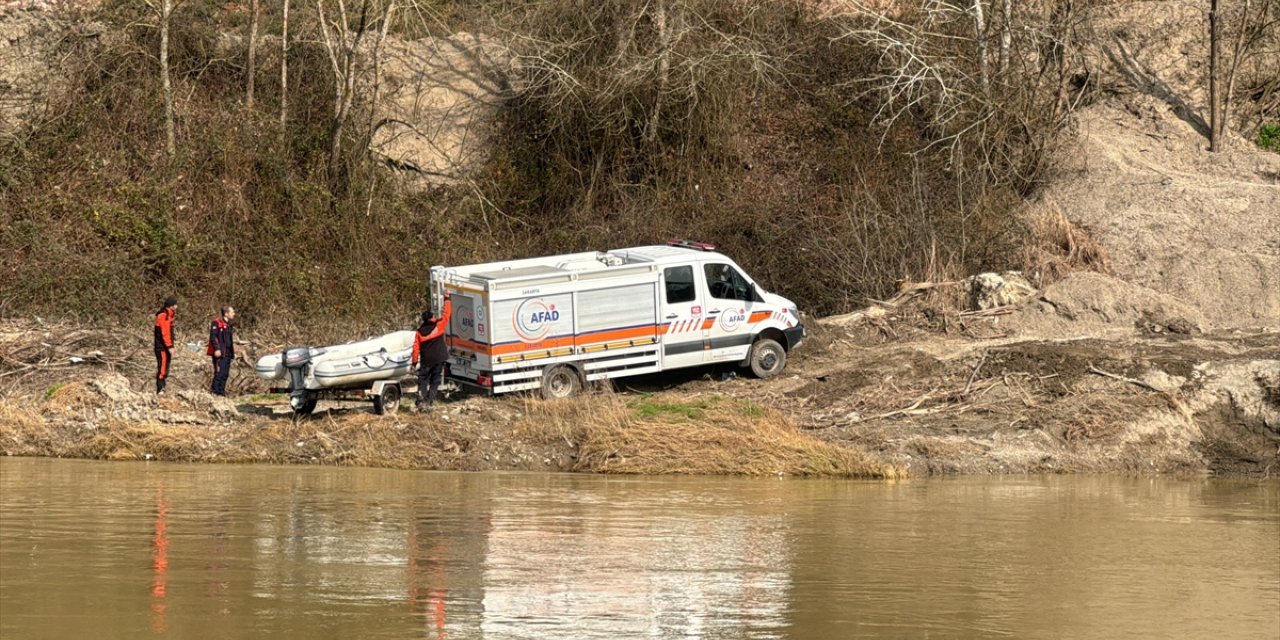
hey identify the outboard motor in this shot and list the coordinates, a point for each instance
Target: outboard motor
(295, 361)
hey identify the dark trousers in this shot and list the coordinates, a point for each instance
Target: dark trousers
(221, 370)
(164, 356)
(429, 383)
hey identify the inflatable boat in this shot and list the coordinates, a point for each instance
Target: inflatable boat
(387, 357)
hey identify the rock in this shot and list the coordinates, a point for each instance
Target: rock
(217, 406)
(115, 388)
(991, 290)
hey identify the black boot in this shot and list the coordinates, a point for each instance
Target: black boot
(160, 386)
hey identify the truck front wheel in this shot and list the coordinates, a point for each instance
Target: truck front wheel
(768, 358)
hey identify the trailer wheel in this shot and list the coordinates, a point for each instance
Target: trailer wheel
(305, 406)
(388, 401)
(560, 381)
(768, 358)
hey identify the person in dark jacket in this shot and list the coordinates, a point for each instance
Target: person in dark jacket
(430, 353)
(222, 349)
(163, 341)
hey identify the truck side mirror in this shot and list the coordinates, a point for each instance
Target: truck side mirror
(755, 293)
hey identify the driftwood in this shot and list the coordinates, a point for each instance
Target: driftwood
(1173, 401)
(969, 385)
(1134, 381)
(988, 313)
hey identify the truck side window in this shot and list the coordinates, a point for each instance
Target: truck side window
(680, 286)
(726, 283)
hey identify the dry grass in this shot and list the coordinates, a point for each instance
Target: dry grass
(706, 436)
(609, 434)
(1056, 246)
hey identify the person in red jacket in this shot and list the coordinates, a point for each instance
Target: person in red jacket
(163, 341)
(430, 354)
(222, 349)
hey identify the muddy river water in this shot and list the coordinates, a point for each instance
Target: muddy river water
(136, 550)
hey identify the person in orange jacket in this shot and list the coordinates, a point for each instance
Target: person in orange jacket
(430, 354)
(163, 341)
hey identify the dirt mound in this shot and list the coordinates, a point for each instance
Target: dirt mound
(1201, 227)
(1093, 303)
(1198, 226)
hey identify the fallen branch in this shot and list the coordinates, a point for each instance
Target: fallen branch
(1105, 374)
(987, 313)
(907, 410)
(1174, 402)
(913, 289)
(968, 385)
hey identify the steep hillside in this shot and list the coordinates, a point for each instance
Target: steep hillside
(1202, 227)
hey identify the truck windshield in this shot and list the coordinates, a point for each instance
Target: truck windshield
(726, 283)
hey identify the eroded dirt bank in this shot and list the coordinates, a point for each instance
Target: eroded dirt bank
(867, 399)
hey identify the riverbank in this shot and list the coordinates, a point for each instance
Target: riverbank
(883, 398)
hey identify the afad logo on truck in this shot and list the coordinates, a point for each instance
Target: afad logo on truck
(534, 318)
(732, 319)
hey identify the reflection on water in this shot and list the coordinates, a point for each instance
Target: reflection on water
(122, 550)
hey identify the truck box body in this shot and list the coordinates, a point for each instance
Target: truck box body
(605, 314)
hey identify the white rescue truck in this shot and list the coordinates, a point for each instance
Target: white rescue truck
(559, 322)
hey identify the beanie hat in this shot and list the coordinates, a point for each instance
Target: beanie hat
(428, 316)
(170, 301)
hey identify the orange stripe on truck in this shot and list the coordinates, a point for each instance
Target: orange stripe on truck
(590, 339)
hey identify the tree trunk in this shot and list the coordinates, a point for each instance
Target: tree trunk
(1062, 30)
(170, 144)
(1215, 103)
(664, 70)
(342, 47)
(284, 66)
(980, 30)
(377, 68)
(1236, 54)
(253, 54)
(1006, 34)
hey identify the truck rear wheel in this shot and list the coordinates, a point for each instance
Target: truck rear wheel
(388, 401)
(768, 358)
(560, 381)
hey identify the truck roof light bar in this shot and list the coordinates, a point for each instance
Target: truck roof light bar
(689, 244)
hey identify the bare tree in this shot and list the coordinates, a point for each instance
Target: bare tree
(284, 66)
(1254, 25)
(164, 13)
(632, 71)
(377, 64)
(980, 35)
(932, 70)
(253, 53)
(926, 63)
(664, 69)
(1006, 34)
(342, 36)
(1215, 57)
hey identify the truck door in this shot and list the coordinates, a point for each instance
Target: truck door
(682, 314)
(730, 301)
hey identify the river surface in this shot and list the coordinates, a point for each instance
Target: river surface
(137, 550)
